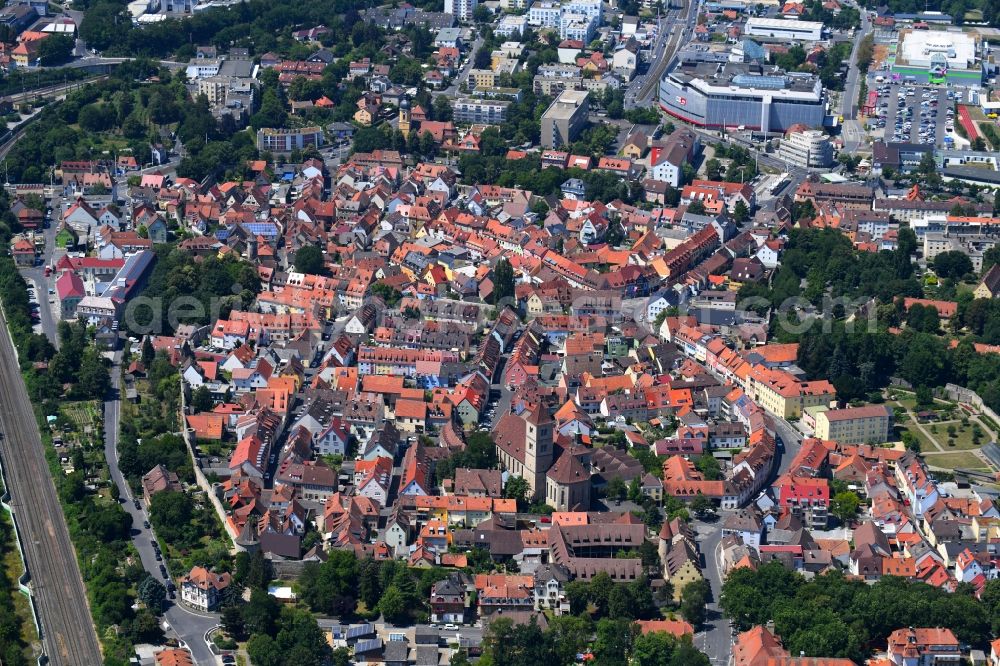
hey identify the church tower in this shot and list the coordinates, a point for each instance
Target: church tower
(405, 117)
(538, 427)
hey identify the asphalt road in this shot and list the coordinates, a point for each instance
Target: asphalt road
(853, 131)
(68, 635)
(716, 639)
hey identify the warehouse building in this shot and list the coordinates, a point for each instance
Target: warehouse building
(784, 29)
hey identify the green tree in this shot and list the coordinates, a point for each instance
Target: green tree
(260, 615)
(845, 506)
(309, 260)
(991, 256)
(152, 593)
(93, 381)
(713, 169)
(442, 108)
(570, 636)
(148, 353)
(709, 467)
(702, 505)
(389, 294)
(741, 213)
(55, 50)
(613, 642)
(232, 622)
(616, 489)
(653, 649)
(517, 488)
(272, 111)
(952, 264)
(392, 606)
(503, 282)
(201, 399)
(264, 651)
(694, 596)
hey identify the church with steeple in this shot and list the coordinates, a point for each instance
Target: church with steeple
(556, 472)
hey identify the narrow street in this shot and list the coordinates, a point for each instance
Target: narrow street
(189, 626)
(716, 639)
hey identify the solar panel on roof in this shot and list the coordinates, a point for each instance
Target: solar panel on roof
(360, 630)
(368, 645)
(262, 228)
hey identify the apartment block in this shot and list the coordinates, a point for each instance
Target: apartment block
(273, 140)
(489, 111)
(565, 118)
(855, 425)
(786, 396)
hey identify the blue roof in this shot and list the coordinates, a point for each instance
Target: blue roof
(262, 228)
(222, 234)
(753, 51)
(369, 645)
(360, 630)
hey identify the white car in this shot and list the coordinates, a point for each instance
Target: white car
(451, 626)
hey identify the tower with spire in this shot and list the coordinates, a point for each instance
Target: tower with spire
(405, 116)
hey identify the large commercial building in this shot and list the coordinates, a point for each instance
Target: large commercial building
(855, 425)
(807, 149)
(714, 95)
(565, 118)
(938, 56)
(273, 140)
(784, 29)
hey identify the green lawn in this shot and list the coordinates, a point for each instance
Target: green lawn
(951, 461)
(963, 438)
(925, 444)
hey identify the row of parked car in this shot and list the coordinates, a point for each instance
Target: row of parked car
(916, 118)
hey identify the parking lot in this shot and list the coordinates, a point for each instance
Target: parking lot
(913, 113)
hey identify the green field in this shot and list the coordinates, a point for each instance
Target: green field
(950, 461)
(925, 444)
